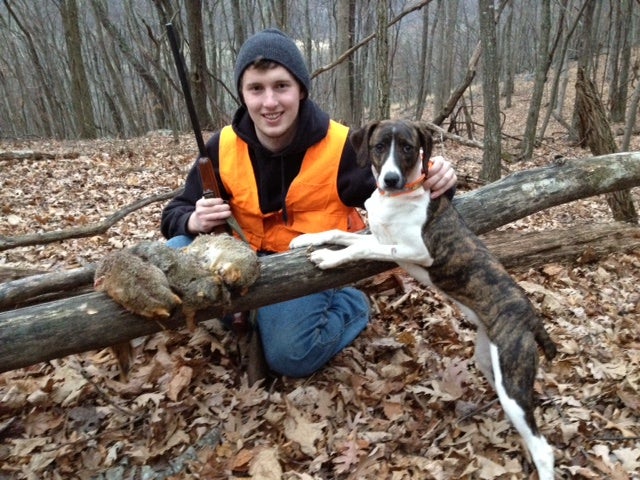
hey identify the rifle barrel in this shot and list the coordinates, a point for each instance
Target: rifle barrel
(182, 74)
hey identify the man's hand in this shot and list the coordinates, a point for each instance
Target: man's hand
(440, 177)
(209, 213)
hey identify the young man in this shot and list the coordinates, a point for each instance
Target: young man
(284, 169)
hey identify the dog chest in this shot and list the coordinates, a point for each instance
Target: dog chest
(399, 220)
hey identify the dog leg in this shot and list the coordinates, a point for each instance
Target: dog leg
(522, 419)
(368, 248)
(482, 355)
(337, 237)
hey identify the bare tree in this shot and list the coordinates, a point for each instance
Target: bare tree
(382, 105)
(598, 136)
(198, 78)
(556, 100)
(620, 59)
(491, 93)
(446, 49)
(345, 22)
(508, 55)
(544, 58)
(44, 96)
(423, 65)
(585, 63)
(80, 93)
(141, 69)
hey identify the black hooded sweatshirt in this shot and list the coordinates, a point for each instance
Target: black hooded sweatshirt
(274, 172)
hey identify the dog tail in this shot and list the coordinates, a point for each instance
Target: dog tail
(544, 340)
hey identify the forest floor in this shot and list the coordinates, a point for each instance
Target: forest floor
(405, 401)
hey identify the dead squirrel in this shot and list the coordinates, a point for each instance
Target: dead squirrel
(151, 279)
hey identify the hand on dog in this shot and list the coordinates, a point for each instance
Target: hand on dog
(440, 177)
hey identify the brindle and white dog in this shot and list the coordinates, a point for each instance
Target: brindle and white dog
(428, 238)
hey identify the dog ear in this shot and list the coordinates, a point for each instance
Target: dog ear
(360, 141)
(426, 142)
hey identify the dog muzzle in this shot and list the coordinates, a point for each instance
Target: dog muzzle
(408, 188)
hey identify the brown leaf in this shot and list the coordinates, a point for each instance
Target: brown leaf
(180, 380)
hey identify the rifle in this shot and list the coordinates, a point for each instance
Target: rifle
(210, 188)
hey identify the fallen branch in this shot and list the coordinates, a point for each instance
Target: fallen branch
(92, 321)
(35, 155)
(28, 290)
(529, 191)
(7, 243)
(439, 131)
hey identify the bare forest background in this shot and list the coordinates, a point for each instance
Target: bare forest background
(87, 69)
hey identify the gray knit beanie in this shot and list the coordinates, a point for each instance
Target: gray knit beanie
(272, 44)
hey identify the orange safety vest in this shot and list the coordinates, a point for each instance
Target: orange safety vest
(312, 202)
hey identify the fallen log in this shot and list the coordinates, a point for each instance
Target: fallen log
(41, 287)
(581, 244)
(92, 321)
(35, 155)
(523, 193)
(516, 250)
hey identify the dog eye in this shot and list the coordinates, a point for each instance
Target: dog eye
(407, 148)
(379, 147)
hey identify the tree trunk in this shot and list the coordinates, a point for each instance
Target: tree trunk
(80, 93)
(446, 55)
(199, 78)
(620, 59)
(586, 51)
(491, 160)
(556, 95)
(344, 71)
(423, 66)
(382, 107)
(597, 134)
(631, 120)
(542, 66)
(509, 64)
(42, 332)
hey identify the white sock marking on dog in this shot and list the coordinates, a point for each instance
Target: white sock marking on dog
(541, 452)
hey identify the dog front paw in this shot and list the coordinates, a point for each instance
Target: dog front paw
(306, 240)
(325, 258)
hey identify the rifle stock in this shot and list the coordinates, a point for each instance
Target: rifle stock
(210, 187)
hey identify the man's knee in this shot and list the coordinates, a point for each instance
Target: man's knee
(299, 359)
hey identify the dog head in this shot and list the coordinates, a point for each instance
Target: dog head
(398, 151)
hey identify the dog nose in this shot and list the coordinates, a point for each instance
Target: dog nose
(392, 180)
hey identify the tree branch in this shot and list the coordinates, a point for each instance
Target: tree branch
(7, 243)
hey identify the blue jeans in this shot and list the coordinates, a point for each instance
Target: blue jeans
(300, 336)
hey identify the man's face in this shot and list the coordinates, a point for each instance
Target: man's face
(272, 98)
